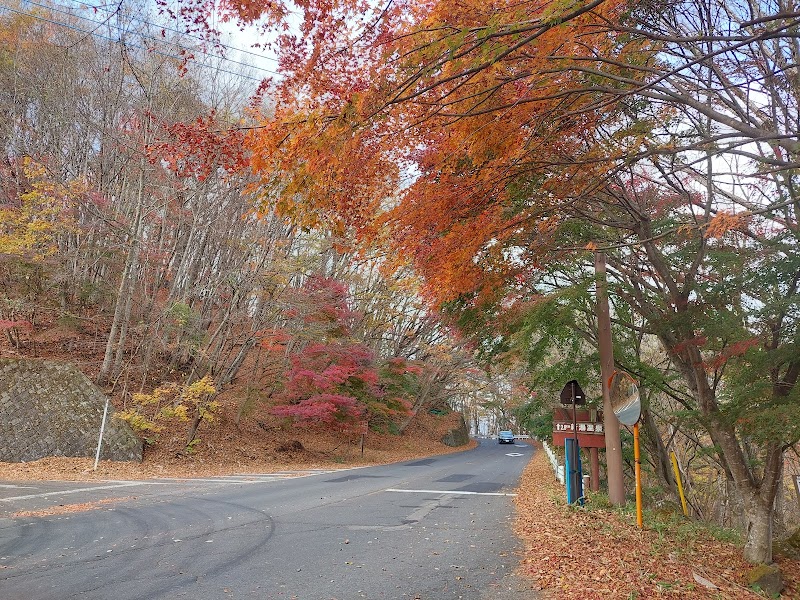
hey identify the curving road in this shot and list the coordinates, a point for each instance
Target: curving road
(431, 529)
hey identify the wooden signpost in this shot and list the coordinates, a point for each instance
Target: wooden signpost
(591, 435)
(588, 422)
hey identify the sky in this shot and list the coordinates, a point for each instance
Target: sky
(235, 55)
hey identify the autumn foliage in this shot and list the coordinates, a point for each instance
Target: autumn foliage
(598, 552)
(491, 148)
(168, 404)
(326, 382)
(31, 223)
(333, 380)
(198, 148)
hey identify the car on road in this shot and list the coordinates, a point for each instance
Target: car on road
(505, 437)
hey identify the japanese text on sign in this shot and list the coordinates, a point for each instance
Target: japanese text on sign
(582, 427)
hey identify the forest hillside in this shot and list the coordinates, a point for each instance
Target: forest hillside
(263, 220)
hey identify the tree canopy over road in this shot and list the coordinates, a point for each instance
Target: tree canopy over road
(489, 148)
(495, 145)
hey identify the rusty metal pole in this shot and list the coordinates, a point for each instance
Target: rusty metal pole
(574, 392)
(574, 414)
(638, 473)
(616, 486)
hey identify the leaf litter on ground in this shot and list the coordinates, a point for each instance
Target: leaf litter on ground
(593, 553)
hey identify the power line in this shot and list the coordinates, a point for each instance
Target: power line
(117, 27)
(121, 42)
(94, 33)
(104, 8)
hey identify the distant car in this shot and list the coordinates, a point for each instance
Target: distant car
(505, 437)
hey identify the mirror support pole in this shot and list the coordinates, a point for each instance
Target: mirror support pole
(616, 485)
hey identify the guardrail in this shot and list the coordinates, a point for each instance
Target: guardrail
(558, 470)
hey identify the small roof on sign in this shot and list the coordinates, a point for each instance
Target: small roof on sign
(625, 399)
(572, 393)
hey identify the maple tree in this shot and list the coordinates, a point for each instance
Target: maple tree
(197, 149)
(171, 403)
(333, 379)
(530, 128)
(491, 147)
(721, 309)
(329, 383)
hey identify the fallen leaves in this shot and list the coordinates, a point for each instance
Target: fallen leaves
(575, 553)
(62, 509)
(252, 452)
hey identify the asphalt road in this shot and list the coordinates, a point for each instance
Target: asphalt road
(430, 529)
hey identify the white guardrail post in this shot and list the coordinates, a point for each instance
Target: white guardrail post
(558, 469)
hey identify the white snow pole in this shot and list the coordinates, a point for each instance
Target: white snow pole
(100, 441)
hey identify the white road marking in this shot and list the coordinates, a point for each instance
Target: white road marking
(223, 479)
(453, 492)
(202, 480)
(243, 478)
(514, 454)
(76, 491)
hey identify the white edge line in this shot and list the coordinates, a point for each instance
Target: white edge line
(166, 481)
(76, 491)
(453, 492)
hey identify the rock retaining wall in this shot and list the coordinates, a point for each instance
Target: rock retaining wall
(52, 409)
(458, 436)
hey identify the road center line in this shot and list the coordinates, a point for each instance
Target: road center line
(453, 492)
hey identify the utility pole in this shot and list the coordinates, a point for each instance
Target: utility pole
(616, 487)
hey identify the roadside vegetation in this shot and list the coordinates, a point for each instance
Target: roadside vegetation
(402, 210)
(597, 552)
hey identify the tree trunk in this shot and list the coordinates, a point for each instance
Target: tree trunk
(757, 492)
(126, 318)
(662, 462)
(233, 368)
(123, 305)
(198, 418)
(758, 496)
(758, 544)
